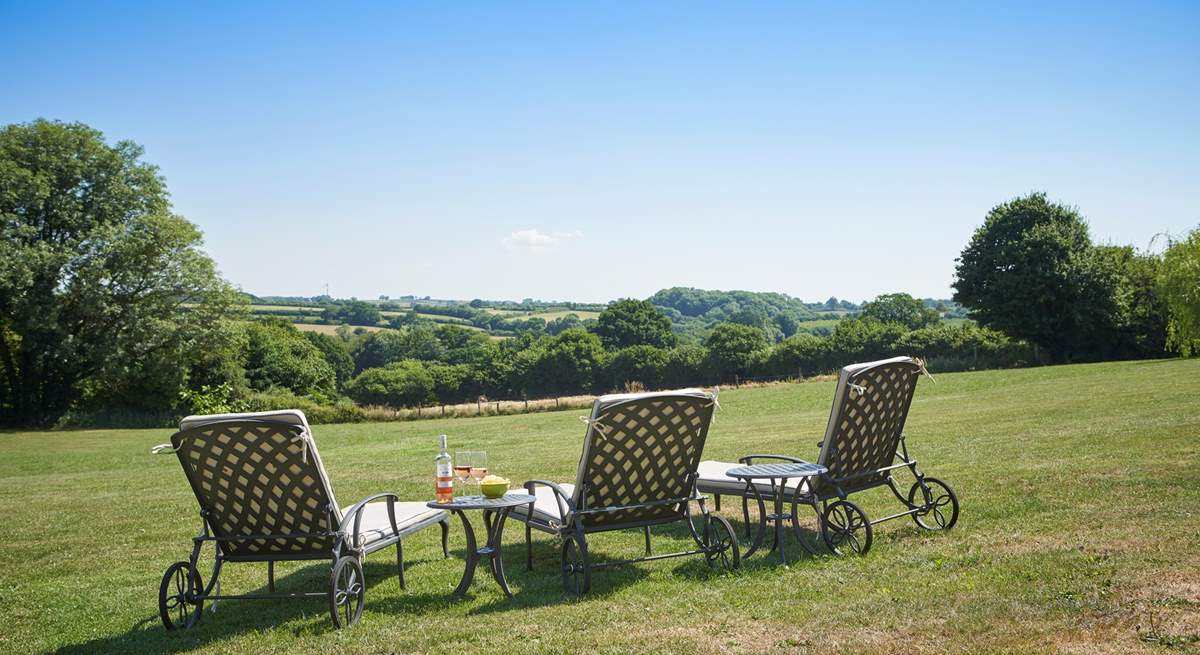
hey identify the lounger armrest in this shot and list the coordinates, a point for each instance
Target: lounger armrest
(564, 501)
(749, 459)
(355, 512)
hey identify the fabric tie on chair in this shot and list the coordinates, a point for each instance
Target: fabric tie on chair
(304, 440)
(596, 425)
(921, 363)
(715, 403)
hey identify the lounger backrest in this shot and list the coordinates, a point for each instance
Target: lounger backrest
(259, 474)
(870, 406)
(641, 448)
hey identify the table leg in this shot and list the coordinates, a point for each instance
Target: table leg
(779, 517)
(472, 555)
(762, 518)
(495, 536)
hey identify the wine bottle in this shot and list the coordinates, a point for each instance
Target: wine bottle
(443, 480)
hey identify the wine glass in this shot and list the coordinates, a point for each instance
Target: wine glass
(462, 466)
(479, 467)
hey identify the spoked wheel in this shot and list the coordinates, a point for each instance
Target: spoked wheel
(720, 544)
(346, 590)
(939, 505)
(179, 604)
(576, 566)
(845, 528)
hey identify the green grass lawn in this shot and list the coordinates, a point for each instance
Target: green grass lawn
(1079, 487)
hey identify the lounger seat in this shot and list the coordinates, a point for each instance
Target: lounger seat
(545, 508)
(375, 524)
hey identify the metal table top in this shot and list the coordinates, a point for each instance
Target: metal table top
(776, 470)
(481, 502)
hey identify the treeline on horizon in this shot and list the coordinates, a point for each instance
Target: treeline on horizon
(693, 312)
(111, 314)
(270, 364)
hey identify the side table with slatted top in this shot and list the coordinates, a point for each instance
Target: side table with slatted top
(495, 510)
(778, 475)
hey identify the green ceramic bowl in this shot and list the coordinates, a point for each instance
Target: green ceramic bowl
(494, 489)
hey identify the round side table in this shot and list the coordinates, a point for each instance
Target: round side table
(778, 474)
(499, 507)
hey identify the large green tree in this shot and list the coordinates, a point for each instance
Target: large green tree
(279, 355)
(733, 348)
(97, 274)
(900, 308)
(568, 363)
(399, 384)
(632, 322)
(1030, 271)
(1179, 281)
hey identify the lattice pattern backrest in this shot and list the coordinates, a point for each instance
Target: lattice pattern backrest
(642, 450)
(867, 421)
(259, 478)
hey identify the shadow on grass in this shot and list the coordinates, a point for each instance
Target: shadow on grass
(537, 588)
(542, 586)
(233, 617)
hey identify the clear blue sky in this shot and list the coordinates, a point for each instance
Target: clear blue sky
(598, 150)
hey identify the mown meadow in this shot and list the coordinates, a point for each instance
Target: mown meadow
(1079, 487)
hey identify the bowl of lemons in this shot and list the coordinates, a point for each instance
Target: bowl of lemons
(493, 486)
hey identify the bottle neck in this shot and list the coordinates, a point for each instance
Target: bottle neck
(442, 442)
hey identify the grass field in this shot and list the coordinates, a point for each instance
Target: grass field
(1080, 487)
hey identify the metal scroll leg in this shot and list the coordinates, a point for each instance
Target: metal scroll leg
(762, 519)
(779, 517)
(445, 537)
(495, 534)
(472, 555)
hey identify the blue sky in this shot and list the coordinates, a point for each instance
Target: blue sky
(591, 151)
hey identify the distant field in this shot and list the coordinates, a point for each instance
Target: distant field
(295, 309)
(444, 319)
(1079, 487)
(332, 329)
(548, 315)
(822, 322)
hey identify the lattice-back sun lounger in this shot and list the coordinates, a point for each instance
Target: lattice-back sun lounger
(637, 470)
(264, 497)
(863, 445)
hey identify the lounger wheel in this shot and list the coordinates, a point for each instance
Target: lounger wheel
(576, 565)
(846, 529)
(935, 499)
(179, 602)
(720, 544)
(346, 590)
